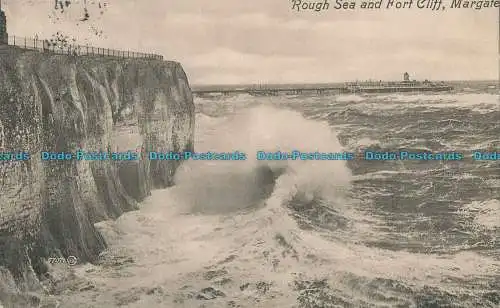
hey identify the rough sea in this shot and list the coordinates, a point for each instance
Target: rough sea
(316, 234)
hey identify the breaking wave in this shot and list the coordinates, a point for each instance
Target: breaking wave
(225, 185)
(234, 233)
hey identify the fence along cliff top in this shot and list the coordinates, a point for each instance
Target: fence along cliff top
(63, 47)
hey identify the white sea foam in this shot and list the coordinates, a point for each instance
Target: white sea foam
(174, 241)
(485, 213)
(262, 129)
(350, 98)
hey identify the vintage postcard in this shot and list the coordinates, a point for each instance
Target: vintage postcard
(253, 154)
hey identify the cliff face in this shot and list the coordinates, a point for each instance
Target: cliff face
(58, 103)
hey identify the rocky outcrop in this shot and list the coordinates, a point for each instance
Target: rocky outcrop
(61, 103)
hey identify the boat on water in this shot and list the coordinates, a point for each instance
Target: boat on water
(406, 85)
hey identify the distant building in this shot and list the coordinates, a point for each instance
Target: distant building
(4, 38)
(406, 77)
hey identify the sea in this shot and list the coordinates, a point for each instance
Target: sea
(315, 233)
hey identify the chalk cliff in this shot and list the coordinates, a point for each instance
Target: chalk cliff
(60, 103)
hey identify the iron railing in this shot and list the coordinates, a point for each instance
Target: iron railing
(75, 49)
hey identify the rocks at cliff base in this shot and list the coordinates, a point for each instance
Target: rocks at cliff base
(209, 275)
(116, 258)
(209, 293)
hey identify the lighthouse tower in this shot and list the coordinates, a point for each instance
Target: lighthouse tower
(406, 76)
(3, 27)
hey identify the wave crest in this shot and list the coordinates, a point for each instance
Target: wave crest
(224, 186)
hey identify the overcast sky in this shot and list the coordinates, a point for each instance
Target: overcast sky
(240, 41)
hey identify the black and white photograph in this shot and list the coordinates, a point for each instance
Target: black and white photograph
(251, 154)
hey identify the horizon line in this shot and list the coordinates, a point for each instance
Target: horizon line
(331, 82)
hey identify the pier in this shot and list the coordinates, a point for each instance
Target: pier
(271, 91)
(323, 90)
(406, 85)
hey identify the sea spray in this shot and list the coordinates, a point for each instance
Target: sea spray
(221, 186)
(262, 257)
